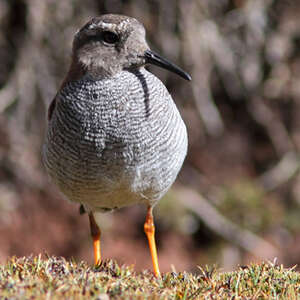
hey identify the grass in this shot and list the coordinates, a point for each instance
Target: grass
(37, 277)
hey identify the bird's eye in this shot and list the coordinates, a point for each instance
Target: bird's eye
(110, 37)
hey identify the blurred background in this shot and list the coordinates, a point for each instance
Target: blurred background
(237, 198)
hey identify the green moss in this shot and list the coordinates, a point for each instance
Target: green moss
(55, 278)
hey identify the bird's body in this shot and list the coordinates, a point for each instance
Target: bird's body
(115, 142)
(115, 137)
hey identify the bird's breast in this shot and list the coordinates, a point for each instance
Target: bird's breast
(115, 137)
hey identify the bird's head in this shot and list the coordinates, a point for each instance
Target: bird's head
(111, 43)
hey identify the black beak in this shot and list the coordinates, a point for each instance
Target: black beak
(155, 59)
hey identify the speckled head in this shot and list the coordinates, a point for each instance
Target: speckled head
(111, 43)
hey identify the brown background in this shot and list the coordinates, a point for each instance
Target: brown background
(237, 197)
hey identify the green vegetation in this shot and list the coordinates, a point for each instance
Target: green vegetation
(55, 278)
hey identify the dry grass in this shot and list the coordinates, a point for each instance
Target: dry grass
(56, 278)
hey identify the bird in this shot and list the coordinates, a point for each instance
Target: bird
(114, 135)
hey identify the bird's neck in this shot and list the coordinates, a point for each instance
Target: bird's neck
(81, 68)
(76, 71)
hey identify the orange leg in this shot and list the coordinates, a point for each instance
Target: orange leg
(150, 230)
(95, 232)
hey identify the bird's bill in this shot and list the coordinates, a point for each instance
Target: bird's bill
(155, 59)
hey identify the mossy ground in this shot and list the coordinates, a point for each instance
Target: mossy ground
(56, 278)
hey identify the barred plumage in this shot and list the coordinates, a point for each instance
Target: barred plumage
(115, 142)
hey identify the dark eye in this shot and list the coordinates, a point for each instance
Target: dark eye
(110, 37)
